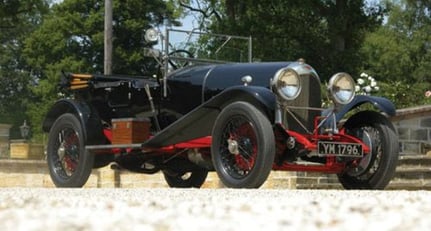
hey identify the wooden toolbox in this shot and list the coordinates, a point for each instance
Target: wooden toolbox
(130, 130)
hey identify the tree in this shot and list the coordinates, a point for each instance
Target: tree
(71, 39)
(17, 20)
(347, 24)
(15, 12)
(400, 52)
(327, 33)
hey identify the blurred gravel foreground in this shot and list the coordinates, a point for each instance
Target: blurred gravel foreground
(212, 209)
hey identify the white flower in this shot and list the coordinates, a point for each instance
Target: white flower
(367, 89)
(366, 84)
(364, 75)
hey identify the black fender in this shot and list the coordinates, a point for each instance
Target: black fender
(261, 97)
(383, 104)
(199, 122)
(88, 117)
(371, 117)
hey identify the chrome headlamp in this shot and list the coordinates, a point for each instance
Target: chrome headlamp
(286, 84)
(151, 35)
(341, 88)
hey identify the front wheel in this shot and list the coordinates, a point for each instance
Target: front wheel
(376, 169)
(69, 163)
(243, 146)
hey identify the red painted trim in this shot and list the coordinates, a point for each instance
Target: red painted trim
(330, 167)
(310, 168)
(203, 142)
(108, 134)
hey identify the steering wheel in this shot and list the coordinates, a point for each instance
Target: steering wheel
(179, 63)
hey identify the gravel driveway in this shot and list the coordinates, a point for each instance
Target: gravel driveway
(212, 209)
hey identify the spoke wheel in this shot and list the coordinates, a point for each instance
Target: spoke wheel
(376, 169)
(239, 151)
(68, 162)
(243, 146)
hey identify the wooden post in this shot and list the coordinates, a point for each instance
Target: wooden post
(108, 38)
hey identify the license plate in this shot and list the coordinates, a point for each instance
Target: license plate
(339, 149)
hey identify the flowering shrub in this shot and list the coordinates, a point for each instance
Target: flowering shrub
(366, 84)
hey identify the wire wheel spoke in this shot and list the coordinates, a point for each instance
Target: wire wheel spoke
(365, 168)
(238, 146)
(68, 149)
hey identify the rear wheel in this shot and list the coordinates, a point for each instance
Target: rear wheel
(243, 146)
(69, 163)
(376, 169)
(193, 179)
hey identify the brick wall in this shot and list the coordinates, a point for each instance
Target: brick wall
(414, 129)
(34, 173)
(414, 135)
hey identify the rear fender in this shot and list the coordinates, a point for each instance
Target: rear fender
(91, 124)
(199, 122)
(382, 104)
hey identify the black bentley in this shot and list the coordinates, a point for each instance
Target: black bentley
(241, 120)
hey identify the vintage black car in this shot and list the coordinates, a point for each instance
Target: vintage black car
(241, 120)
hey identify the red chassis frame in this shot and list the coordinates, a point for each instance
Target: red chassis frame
(309, 142)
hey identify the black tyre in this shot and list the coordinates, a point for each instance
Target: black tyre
(375, 170)
(243, 146)
(68, 162)
(194, 179)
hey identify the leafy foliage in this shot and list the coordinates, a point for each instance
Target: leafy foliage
(17, 20)
(327, 34)
(404, 94)
(399, 52)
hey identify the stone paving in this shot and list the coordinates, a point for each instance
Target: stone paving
(212, 209)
